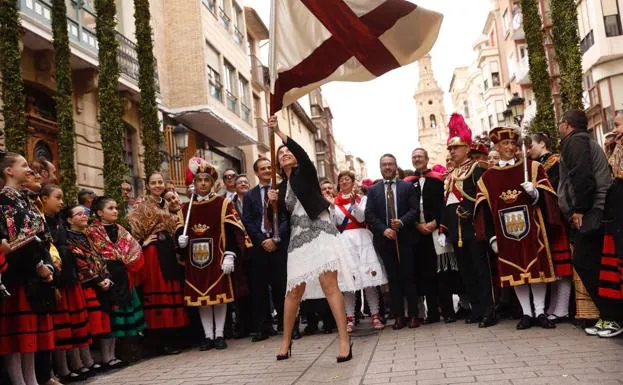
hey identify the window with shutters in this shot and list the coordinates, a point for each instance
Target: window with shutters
(214, 72)
(612, 18)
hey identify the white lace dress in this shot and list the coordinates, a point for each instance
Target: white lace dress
(315, 248)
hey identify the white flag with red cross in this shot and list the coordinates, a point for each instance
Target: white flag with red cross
(313, 42)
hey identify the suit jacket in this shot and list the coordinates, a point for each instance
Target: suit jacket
(432, 197)
(252, 217)
(408, 202)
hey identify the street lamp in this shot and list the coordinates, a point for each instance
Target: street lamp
(516, 105)
(180, 135)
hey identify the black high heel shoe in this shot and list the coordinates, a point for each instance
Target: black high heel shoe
(281, 357)
(348, 357)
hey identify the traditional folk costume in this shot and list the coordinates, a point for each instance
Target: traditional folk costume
(513, 216)
(124, 260)
(560, 291)
(215, 234)
(161, 276)
(70, 315)
(350, 220)
(26, 324)
(457, 227)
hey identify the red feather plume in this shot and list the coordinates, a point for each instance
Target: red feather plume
(458, 128)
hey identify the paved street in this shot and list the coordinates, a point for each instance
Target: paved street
(437, 354)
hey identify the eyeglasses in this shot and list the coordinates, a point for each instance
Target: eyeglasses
(229, 176)
(80, 214)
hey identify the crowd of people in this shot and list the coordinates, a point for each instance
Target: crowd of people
(530, 235)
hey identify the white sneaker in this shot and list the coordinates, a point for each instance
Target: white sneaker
(610, 329)
(593, 330)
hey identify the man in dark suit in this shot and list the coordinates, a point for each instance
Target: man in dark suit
(431, 278)
(391, 212)
(268, 255)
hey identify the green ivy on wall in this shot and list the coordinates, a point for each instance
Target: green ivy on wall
(545, 120)
(151, 136)
(566, 41)
(64, 101)
(110, 110)
(12, 86)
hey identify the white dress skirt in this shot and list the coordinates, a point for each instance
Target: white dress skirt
(316, 247)
(360, 245)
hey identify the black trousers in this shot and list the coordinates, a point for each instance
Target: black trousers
(475, 274)
(401, 276)
(267, 269)
(587, 262)
(430, 284)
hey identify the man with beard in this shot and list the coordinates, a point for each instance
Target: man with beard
(391, 212)
(432, 267)
(457, 224)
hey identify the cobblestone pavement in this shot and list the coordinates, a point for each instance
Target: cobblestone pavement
(434, 354)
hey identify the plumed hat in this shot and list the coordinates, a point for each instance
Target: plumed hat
(499, 134)
(460, 134)
(199, 167)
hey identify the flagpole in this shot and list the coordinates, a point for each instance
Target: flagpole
(271, 131)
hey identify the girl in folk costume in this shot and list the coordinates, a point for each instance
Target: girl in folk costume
(124, 259)
(350, 220)
(317, 257)
(209, 248)
(163, 302)
(95, 281)
(25, 321)
(70, 313)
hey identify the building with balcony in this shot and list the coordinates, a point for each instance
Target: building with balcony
(38, 74)
(325, 141)
(466, 91)
(601, 35)
(207, 55)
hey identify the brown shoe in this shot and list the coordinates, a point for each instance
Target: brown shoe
(414, 322)
(399, 323)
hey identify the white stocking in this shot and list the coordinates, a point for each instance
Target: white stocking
(13, 365)
(207, 321)
(28, 368)
(85, 357)
(372, 296)
(523, 295)
(349, 303)
(220, 315)
(559, 299)
(60, 362)
(539, 290)
(75, 361)
(108, 349)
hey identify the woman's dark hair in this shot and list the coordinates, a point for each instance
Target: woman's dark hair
(149, 177)
(48, 189)
(7, 159)
(278, 165)
(67, 213)
(99, 203)
(84, 194)
(347, 173)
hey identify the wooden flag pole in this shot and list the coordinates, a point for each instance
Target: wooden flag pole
(271, 130)
(273, 164)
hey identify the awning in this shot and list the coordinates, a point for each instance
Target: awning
(210, 123)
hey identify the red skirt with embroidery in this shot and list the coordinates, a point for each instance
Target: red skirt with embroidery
(98, 319)
(163, 300)
(611, 272)
(21, 329)
(561, 251)
(71, 329)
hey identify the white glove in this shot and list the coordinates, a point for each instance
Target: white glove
(493, 242)
(182, 240)
(442, 240)
(228, 263)
(530, 190)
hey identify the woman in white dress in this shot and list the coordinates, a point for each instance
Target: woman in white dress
(350, 219)
(317, 257)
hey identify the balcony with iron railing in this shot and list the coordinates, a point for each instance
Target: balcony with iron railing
(245, 112)
(587, 42)
(232, 102)
(257, 73)
(263, 138)
(215, 85)
(238, 36)
(84, 37)
(225, 19)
